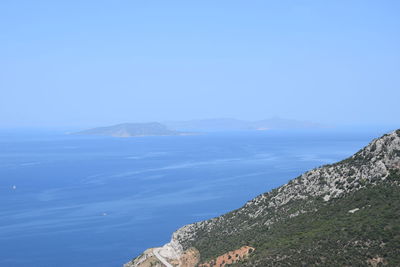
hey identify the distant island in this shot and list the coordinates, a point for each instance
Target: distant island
(196, 126)
(230, 124)
(132, 130)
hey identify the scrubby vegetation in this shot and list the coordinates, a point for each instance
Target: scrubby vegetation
(344, 214)
(330, 236)
(333, 236)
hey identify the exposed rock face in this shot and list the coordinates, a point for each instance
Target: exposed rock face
(172, 250)
(378, 261)
(371, 165)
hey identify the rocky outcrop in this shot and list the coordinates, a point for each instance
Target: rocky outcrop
(371, 165)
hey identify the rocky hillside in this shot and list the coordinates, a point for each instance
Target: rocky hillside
(344, 214)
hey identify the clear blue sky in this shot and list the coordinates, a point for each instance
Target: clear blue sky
(89, 63)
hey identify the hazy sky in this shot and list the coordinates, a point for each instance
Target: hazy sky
(89, 63)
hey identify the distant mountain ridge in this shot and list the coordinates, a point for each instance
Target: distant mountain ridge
(229, 124)
(196, 126)
(342, 214)
(131, 130)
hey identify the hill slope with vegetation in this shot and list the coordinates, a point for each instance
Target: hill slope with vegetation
(343, 214)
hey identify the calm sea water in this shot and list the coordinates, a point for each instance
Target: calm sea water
(96, 201)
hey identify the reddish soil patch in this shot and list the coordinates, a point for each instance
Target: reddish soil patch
(229, 257)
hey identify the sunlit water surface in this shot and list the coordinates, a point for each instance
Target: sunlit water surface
(94, 201)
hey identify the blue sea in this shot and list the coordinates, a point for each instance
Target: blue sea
(71, 201)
